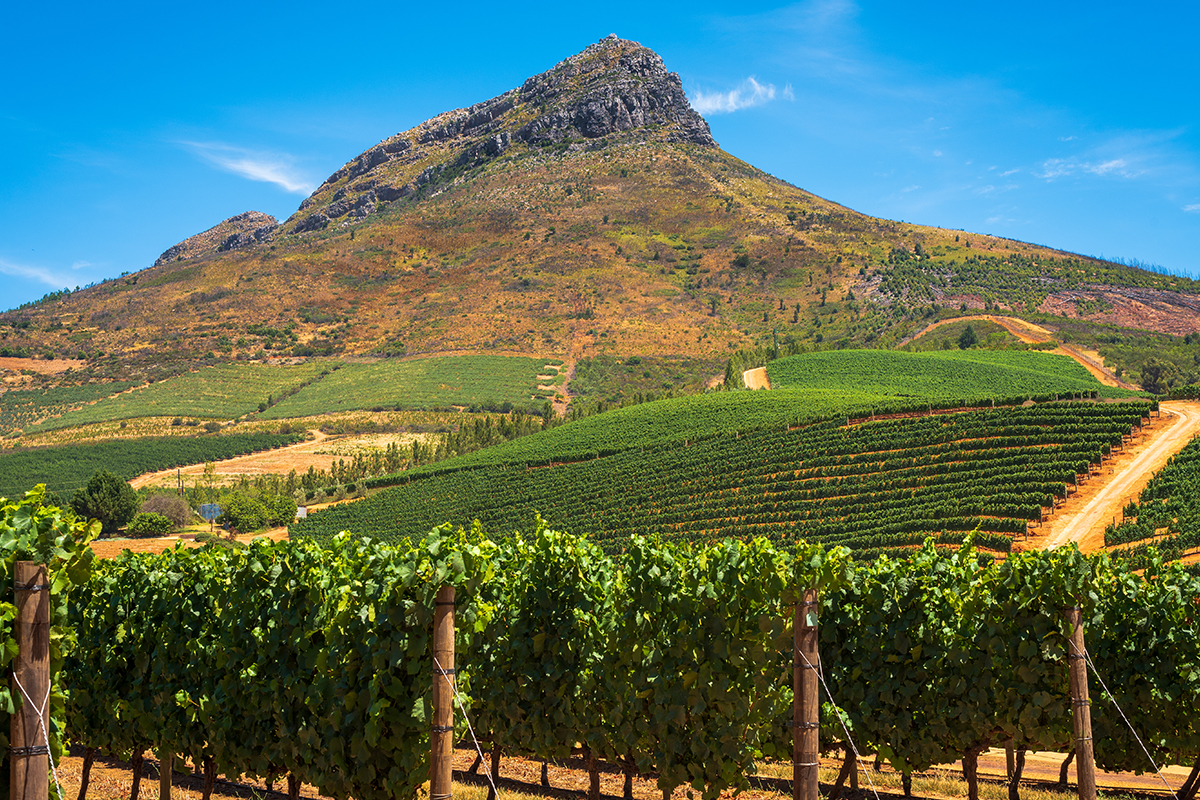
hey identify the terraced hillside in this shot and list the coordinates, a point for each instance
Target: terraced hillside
(874, 486)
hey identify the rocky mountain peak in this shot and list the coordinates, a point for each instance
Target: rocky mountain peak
(244, 229)
(615, 87)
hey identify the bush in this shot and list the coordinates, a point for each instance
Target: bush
(212, 427)
(108, 499)
(171, 506)
(245, 514)
(282, 508)
(147, 525)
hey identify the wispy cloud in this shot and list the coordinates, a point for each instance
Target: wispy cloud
(39, 274)
(749, 94)
(277, 168)
(1193, 208)
(1062, 167)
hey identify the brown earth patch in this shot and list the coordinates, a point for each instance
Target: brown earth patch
(756, 378)
(43, 367)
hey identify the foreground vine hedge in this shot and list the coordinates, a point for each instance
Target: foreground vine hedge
(31, 530)
(672, 657)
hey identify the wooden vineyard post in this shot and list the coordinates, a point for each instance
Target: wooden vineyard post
(806, 706)
(1085, 761)
(441, 735)
(29, 755)
(166, 772)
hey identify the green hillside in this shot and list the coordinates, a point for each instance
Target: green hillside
(966, 374)
(423, 383)
(221, 392)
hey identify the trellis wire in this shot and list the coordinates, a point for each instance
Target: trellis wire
(1088, 658)
(487, 773)
(849, 739)
(42, 722)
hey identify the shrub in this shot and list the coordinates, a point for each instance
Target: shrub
(147, 525)
(212, 427)
(245, 514)
(171, 506)
(282, 508)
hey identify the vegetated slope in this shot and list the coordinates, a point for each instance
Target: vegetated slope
(423, 383)
(220, 392)
(697, 417)
(1166, 514)
(587, 212)
(873, 486)
(65, 469)
(20, 408)
(969, 374)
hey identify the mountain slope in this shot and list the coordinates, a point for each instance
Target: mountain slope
(586, 212)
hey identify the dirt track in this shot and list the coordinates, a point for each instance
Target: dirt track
(756, 378)
(1085, 524)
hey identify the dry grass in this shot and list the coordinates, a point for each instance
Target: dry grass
(520, 780)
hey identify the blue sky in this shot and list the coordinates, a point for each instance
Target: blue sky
(127, 127)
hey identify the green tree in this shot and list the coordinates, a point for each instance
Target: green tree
(108, 499)
(968, 338)
(1158, 376)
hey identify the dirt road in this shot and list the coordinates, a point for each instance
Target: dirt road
(1035, 334)
(1086, 525)
(756, 378)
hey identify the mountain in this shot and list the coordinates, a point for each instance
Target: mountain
(588, 211)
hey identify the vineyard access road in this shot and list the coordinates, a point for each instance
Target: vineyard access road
(756, 378)
(1083, 520)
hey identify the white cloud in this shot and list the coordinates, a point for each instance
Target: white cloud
(751, 93)
(1010, 172)
(276, 168)
(788, 94)
(82, 265)
(1061, 167)
(1194, 208)
(912, 188)
(40, 274)
(937, 153)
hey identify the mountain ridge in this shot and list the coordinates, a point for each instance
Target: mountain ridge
(587, 211)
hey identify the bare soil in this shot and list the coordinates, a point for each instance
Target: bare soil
(111, 779)
(111, 548)
(756, 378)
(41, 366)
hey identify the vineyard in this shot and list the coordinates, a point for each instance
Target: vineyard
(20, 408)
(674, 658)
(222, 392)
(1166, 513)
(419, 384)
(971, 374)
(65, 469)
(873, 487)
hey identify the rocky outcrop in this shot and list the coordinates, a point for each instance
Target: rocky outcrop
(614, 87)
(243, 230)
